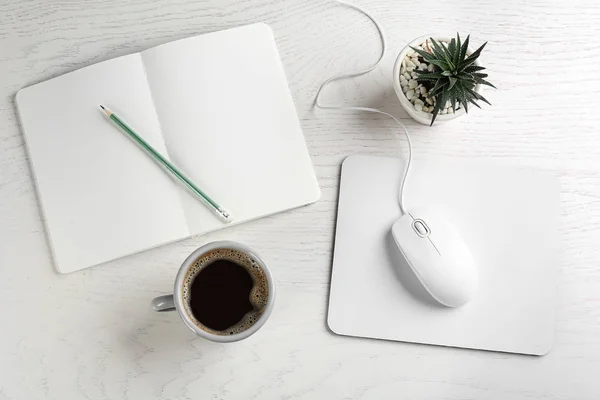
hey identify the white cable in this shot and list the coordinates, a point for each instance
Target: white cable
(373, 110)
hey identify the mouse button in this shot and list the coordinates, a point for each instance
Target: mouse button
(421, 228)
(402, 231)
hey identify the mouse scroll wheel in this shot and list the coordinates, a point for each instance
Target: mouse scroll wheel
(421, 228)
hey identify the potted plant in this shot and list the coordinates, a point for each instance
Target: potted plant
(436, 79)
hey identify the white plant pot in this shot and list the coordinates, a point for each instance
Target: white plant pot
(422, 116)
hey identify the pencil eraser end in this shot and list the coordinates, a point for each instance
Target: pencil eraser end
(226, 216)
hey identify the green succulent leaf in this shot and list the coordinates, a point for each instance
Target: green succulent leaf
(448, 56)
(425, 79)
(452, 82)
(452, 48)
(437, 50)
(478, 75)
(478, 96)
(473, 101)
(473, 57)
(441, 100)
(436, 75)
(455, 74)
(466, 77)
(462, 98)
(453, 102)
(439, 85)
(440, 63)
(427, 56)
(457, 50)
(484, 82)
(473, 68)
(464, 48)
(436, 108)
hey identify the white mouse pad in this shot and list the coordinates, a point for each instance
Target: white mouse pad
(508, 216)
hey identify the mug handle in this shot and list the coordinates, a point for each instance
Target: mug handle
(164, 303)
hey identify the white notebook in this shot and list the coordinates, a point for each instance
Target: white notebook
(217, 105)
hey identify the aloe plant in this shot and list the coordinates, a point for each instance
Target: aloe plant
(454, 74)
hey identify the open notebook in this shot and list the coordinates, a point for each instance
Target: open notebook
(217, 105)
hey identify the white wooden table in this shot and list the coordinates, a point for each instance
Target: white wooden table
(91, 335)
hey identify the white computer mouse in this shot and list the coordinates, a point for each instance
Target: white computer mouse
(437, 254)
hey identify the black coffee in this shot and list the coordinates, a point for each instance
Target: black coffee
(225, 291)
(220, 294)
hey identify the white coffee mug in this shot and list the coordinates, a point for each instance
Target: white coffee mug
(175, 301)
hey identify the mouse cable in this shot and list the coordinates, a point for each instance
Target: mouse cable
(373, 110)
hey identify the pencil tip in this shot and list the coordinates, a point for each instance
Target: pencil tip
(102, 107)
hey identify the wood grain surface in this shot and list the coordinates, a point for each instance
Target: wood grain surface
(91, 335)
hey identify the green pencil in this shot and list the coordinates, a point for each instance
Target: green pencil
(210, 203)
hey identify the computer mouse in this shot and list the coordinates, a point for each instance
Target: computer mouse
(437, 254)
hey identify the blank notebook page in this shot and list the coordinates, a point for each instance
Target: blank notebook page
(101, 195)
(229, 122)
